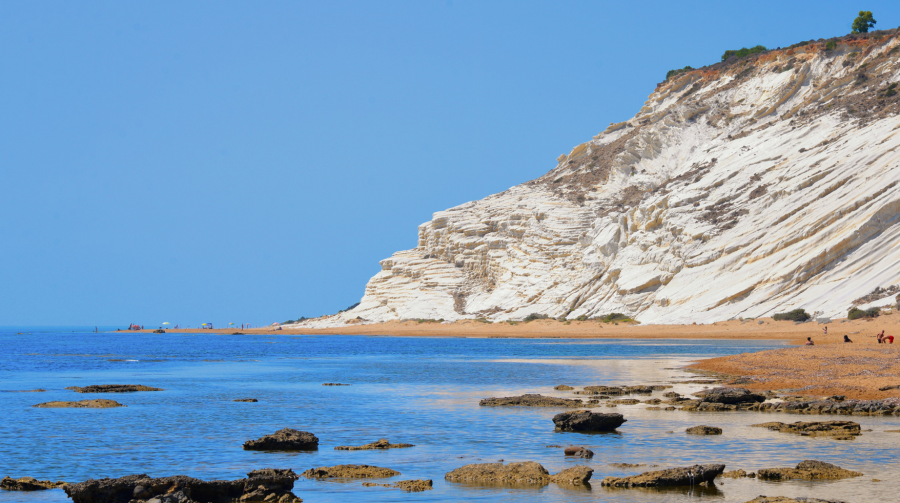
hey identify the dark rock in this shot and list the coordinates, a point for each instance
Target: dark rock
(28, 484)
(808, 470)
(285, 439)
(579, 452)
(587, 421)
(729, 396)
(245, 400)
(349, 472)
(689, 476)
(563, 387)
(839, 430)
(531, 401)
(378, 444)
(626, 401)
(334, 384)
(113, 388)
(704, 430)
(269, 485)
(414, 486)
(83, 404)
(739, 474)
(159, 331)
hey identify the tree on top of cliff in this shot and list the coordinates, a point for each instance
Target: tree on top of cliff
(863, 22)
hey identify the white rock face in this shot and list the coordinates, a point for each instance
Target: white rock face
(758, 187)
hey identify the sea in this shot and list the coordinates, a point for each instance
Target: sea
(419, 390)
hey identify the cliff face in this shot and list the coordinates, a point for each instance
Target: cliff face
(739, 190)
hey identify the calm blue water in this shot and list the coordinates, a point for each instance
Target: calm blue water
(423, 391)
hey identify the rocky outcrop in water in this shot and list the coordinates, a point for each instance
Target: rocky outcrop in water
(585, 421)
(839, 430)
(28, 484)
(531, 401)
(703, 430)
(574, 476)
(807, 470)
(247, 400)
(578, 452)
(286, 439)
(621, 390)
(334, 384)
(378, 444)
(100, 403)
(688, 476)
(269, 485)
(349, 472)
(563, 387)
(113, 388)
(730, 396)
(525, 473)
(738, 474)
(410, 486)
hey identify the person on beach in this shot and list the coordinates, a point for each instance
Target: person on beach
(847, 339)
(825, 330)
(880, 337)
(809, 341)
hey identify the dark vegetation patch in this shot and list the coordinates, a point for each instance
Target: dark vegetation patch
(535, 316)
(743, 52)
(856, 313)
(795, 315)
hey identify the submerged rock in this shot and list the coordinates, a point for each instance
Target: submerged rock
(704, 430)
(525, 473)
(808, 470)
(99, 403)
(576, 475)
(334, 384)
(785, 499)
(729, 396)
(839, 430)
(578, 452)
(28, 484)
(113, 388)
(269, 485)
(621, 390)
(626, 401)
(587, 421)
(349, 472)
(531, 401)
(378, 444)
(286, 439)
(738, 474)
(414, 486)
(563, 387)
(249, 400)
(688, 476)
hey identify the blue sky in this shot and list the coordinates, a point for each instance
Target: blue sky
(253, 161)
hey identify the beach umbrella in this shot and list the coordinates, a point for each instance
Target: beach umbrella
(231, 323)
(204, 324)
(166, 323)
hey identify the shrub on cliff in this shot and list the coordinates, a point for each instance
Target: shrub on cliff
(795, 315)
(740, 53)
(856, 313)
(535, 316)
(672, 73)
(611, 317)
(863, 22)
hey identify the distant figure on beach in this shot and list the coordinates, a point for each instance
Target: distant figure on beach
(825, 330)
(847, 339)
(885, 339)
(880, 337)
(809, 341)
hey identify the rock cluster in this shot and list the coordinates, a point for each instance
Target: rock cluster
(113, 388)
(99, 403)
(585, 421)
(531, 400)
(412, 486)
(286, 439)
(28, 484)
(578, 452)
(248, 400)
(382, 443)
(729, 396)
(621, 390)
(349, 472)
(808, 470)
(563, 387)
(688, 476)
(269, 485)
(839, 430)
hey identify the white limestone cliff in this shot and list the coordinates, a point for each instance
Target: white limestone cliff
(740, 190)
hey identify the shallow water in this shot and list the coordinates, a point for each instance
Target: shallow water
(423, 391)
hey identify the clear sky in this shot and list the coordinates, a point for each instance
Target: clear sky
(253, 161)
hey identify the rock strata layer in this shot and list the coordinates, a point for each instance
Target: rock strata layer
(585, 421)
(840, 430)
(113, 388)
(349, 472)
(269, 485)
(28, 484)
(531, 401)
(689, 476)
(378, 444)
(286, 439)
(100, 403)
(808, 470)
